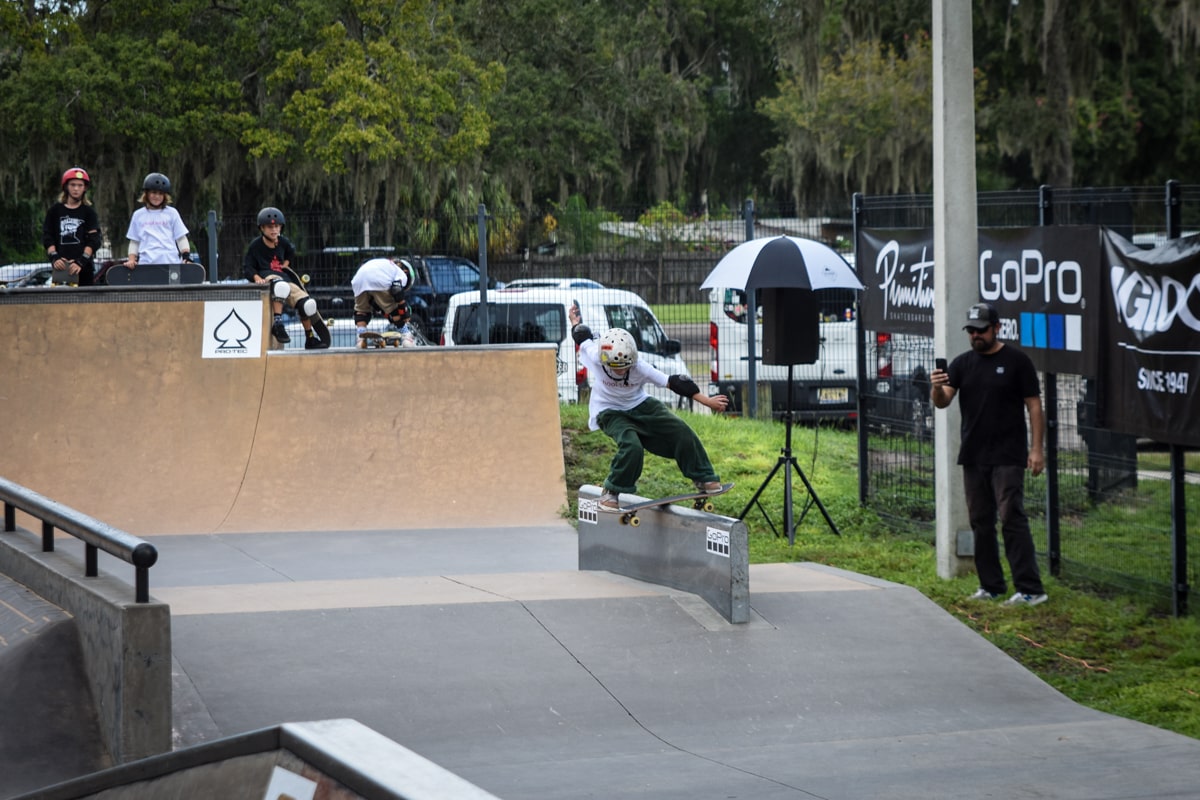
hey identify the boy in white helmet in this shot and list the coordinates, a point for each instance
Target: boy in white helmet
(381, 283)
(637, 422)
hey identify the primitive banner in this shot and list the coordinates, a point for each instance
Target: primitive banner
(1044, 282)
(896, 267)
(1151, 336)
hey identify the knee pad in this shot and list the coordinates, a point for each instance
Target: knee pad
(306, 308)
(359, 316)
(280, 289)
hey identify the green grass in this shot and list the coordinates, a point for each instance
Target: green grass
(1110, 652)
(681, 313)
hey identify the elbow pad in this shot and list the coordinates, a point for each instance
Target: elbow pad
(581, 333)
(683, 386)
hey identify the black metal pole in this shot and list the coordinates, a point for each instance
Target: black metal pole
(1053, 528)
(1179, 554)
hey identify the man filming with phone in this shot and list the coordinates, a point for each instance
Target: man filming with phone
(996, 385)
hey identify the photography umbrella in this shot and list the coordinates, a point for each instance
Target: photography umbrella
(784, 262)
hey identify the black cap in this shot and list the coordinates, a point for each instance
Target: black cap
(981, 316)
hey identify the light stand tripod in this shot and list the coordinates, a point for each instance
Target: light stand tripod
(787, 462)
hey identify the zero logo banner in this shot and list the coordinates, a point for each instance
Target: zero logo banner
(233, 329)
(1152, 339)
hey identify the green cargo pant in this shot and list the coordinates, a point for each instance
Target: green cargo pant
(651, 426)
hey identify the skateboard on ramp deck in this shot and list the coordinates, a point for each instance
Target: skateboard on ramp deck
(700, 502)
(154, 274)
(375, 339)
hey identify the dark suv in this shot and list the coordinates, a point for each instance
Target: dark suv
(438, 277)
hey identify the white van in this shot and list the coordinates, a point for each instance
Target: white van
(537, 314)
(826, 389)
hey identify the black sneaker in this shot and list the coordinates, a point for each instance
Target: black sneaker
(279, 332)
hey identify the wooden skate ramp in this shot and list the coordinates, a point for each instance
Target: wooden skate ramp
(111, 408)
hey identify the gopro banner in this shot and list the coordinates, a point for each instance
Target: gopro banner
(1043, 282)
(1152, 339)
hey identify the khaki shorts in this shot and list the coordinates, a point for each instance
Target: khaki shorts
(367, 302)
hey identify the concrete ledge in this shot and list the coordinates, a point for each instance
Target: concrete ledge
(126, 645)
(340, 758)
(676, 546)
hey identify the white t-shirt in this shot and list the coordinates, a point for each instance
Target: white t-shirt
(607, 393)
(377, 275)
(157, 232)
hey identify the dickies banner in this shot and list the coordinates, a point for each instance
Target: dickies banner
(1151, 332)
(1044, 282)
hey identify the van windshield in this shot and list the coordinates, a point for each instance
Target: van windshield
(511, 323)
(641, 323)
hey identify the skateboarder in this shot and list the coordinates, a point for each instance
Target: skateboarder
(620, 407)
(156, 233)
(269, 259)
(71, 230)
(380, 283)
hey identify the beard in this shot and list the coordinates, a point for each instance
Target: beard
(981, 344)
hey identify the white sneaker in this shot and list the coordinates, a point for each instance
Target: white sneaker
(1020, 599)
(610, 502)
(984, 594)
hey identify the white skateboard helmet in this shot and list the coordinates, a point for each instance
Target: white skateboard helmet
(618, 350)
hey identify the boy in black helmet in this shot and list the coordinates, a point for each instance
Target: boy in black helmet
(269, 259)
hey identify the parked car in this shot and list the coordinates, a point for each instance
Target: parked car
(10, 274)
(531, 315)
(554, 283)
(438, 278)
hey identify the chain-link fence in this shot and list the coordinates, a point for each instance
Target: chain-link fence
(1108, 519)
(1104, 507)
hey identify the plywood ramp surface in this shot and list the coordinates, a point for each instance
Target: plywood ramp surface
(110, 409)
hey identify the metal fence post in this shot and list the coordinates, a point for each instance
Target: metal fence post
(1179, 555)
(751, 400)
(1053, 530)
(858, 217)
(481, 220)
(212, 246)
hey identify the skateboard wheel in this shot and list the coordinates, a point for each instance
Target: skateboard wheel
(707, 505)
(634, 521)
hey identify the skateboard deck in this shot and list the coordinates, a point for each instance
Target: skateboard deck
(385, 339)
(154, 274)
(700, 502)
(323, 337)
(61, 277)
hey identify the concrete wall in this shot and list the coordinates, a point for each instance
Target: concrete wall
(338, 759)
(674, 545)
(126, 646)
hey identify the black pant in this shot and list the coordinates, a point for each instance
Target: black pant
(993, 490)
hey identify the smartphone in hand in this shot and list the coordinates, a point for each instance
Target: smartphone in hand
(939, 363)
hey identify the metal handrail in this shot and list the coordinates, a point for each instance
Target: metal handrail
(95, 534)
